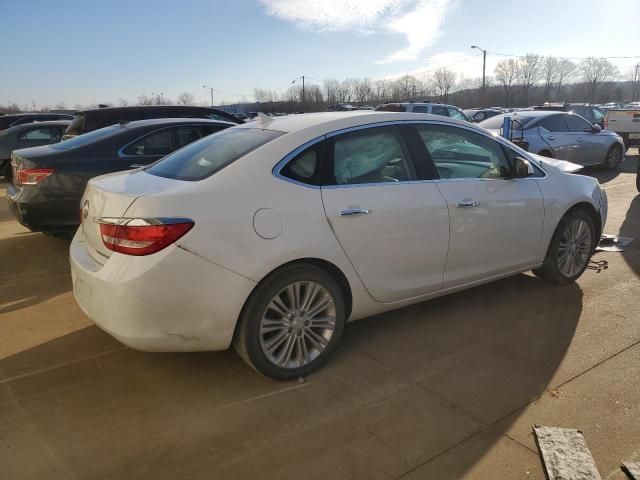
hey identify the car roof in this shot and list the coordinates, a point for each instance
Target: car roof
(52, 123)
(172, 121)
(331, 121)
(150, 107)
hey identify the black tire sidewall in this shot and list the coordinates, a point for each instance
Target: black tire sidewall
(552, 257)
(606, 159)
(252, 314)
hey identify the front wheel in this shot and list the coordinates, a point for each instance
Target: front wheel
(613, 158)
(291, 323)
(570, 249)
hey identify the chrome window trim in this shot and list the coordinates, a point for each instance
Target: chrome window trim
(121, 153)
(276, 171)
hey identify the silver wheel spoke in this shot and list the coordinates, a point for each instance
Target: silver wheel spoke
(574, 248)
(297, 324)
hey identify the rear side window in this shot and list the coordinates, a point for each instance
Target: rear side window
(440, 111)
(305, 167)
(202, 159)
(35, 135)
(554, 123)
(420, 109)
(157, 143)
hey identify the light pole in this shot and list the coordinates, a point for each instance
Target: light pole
(211, 90)
(304, 102)
(484, 66)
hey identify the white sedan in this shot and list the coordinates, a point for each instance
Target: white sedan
(271, 235)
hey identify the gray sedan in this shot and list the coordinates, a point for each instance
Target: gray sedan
(28, 135)
(562, 135)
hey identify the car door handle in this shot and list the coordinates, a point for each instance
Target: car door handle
(467, 204)
(579, 140)
(551, 137)
(137, 165)
(352, 212)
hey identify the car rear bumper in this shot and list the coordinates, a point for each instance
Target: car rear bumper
(172, 300)
(38, 212)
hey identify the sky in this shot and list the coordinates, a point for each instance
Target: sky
(83, 52)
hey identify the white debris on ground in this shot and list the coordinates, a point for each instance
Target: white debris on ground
(565, 454)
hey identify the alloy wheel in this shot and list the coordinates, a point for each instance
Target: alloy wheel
(614, 157)
(574, 249)
(297, 324)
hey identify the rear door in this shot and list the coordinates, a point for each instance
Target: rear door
(496, 222)
(554, 132)
(392, 225)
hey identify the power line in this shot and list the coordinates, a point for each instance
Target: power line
(564, 58)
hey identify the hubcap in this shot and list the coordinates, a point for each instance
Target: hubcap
(297, 324)
(575, 248)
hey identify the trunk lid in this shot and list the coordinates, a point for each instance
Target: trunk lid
(110, 196)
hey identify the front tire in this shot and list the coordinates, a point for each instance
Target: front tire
(291, 323)
(570, 250)
(613, 158)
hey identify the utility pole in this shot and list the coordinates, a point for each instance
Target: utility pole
(33, 102)
(484, 69)
(304, 102)
(211, 90)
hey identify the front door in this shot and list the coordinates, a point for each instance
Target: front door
(590, 149)
(496, 222)
(393, 226)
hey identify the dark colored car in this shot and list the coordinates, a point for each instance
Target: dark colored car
(48, 182)
(28, 135)
(90, 120)
(8, 121)
(591, 113)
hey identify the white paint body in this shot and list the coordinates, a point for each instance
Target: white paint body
(414, 245)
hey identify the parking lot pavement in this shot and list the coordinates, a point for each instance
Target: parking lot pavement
(446, 389)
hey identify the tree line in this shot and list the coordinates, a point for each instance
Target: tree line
(515, 82)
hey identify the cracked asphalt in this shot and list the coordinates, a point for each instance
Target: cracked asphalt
(446, 389)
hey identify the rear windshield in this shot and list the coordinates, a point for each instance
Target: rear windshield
(76, 126)
(211, 154)
(87, 138)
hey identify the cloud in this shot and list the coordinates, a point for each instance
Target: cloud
(420, 21)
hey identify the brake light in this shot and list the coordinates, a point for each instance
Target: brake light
(142, 236)
(31, 176)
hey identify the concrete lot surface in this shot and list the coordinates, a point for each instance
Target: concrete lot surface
(446, 389)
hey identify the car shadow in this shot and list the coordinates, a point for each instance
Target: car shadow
(629, 165)
(403, 387)
(631, 228)
(35, 268)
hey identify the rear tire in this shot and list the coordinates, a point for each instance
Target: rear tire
(6, 170)
(291, 323)
(614, 157)
(570, 249)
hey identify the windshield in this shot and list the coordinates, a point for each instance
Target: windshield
(87, 138)
(211, 154)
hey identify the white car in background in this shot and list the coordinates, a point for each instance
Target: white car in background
(271, 235)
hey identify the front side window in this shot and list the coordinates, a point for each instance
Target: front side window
(457, 114)
(554, 123)
(460, 153)
(478, 117)
(420, 109)
(577, 124)
(598, 115)
(35, 135)
(202, 159)
(372, 155)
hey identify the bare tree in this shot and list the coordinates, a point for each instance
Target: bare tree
(145, 99)
(186, 98)
(566, 71)
(506, 73)
(529, 72)
(595, 72)
(444, 81)
(363, 90)
(549, 74)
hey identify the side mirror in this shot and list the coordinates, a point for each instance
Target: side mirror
(596, 128)
(521, 168)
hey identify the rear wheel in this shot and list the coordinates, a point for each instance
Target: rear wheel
(570, 249)
(613, 158)
(291, 323)
(6, 170)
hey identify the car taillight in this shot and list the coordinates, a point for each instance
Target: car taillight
(606, 121)
(31, 176)
(140, 236)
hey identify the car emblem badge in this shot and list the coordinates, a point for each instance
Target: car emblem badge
(85, 210)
